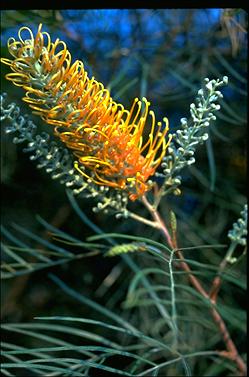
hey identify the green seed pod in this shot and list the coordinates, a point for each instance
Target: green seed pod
(173, 222)
(125, 248)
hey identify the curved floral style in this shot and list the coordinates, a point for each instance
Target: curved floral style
(107, 139)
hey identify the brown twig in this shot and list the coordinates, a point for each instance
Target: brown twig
(231, 351)
(216, 284)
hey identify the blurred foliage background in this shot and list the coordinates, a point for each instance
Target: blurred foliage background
(163, 54)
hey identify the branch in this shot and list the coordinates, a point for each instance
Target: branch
(134, 216)
(231, 353)
(216, 284)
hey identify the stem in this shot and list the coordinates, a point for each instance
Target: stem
(173, 300)
(158, 220)
(216, 284)
(231, 353)
(143, 220)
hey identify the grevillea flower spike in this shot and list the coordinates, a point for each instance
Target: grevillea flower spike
(106, 139)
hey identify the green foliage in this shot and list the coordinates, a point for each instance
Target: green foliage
(20, 259)
(157, 287)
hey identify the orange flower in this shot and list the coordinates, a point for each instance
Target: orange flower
(106, 138)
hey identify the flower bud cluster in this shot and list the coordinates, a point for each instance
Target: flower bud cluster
(56, 160)
(118, 201)
(192, 133)
(239, 232)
